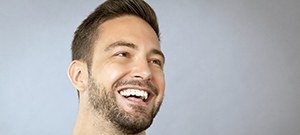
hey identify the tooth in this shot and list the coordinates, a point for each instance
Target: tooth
(143, 94)
(125, 93)
(135, 92)
(122, 93)
(130, 92)
(146, 95)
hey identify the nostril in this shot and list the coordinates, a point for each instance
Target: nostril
(140, 77)
(137, 76)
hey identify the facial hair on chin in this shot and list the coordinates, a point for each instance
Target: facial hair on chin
(104, 103)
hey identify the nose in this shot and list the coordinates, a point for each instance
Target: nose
(141, 70)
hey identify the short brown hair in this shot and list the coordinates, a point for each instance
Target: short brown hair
(86, 33)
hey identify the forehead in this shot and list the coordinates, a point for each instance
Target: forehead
(127, 28)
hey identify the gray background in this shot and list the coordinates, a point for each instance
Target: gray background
(232, 67)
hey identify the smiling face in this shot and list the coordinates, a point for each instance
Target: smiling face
(126, 82)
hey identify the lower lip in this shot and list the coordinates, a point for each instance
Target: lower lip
(134, 101)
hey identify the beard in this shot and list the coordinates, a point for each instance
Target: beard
(105, 104)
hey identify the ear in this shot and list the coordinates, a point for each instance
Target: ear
(78, 74)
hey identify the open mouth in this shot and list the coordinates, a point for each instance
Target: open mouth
(135, 94)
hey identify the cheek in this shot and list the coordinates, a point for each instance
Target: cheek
(112, 73)
(160, 82)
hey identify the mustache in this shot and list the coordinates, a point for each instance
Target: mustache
(141, 83)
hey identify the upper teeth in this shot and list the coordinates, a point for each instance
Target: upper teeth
(134, 92)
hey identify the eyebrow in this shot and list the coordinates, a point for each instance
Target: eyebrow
(159, 52)
(120, 44)
(133, 46)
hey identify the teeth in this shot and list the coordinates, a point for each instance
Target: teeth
(134, 92)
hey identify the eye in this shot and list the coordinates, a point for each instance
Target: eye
(122, 54)
(156, 62)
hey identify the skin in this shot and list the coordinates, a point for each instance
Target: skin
(113, 61)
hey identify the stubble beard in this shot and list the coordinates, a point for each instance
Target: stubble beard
(105, 104)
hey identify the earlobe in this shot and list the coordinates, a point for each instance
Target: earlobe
(78, 74)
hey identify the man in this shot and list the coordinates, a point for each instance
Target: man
(117, 69)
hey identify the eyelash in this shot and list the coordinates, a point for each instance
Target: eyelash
(122, 54)
(156, 61)
(127, 54)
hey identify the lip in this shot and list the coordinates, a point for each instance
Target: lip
(136, 101)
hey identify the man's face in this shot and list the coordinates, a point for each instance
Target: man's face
(126, 82)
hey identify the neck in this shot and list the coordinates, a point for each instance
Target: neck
(90, 123)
